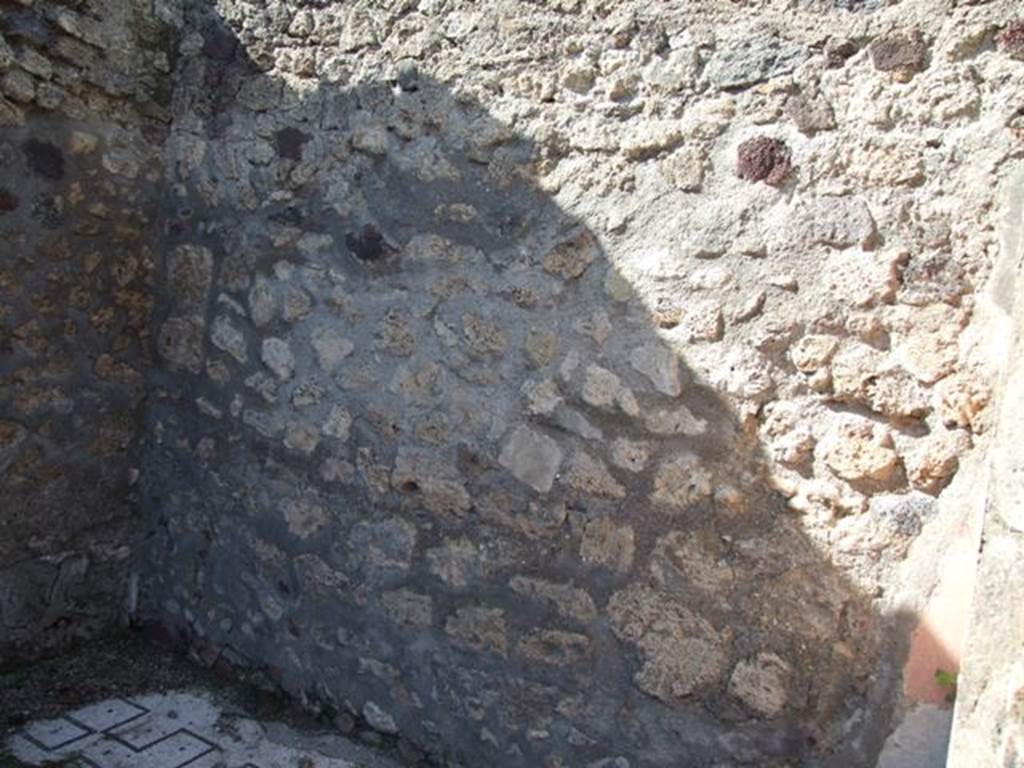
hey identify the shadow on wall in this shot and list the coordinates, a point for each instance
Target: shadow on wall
(419, 452)
(76, 274)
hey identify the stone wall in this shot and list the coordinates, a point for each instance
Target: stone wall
(532, 384)
(83, 107)
(566, 384)
(988, 728)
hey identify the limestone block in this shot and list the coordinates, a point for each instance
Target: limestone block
(533, 458)
(762, 683)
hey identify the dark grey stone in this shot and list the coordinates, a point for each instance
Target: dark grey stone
(741, 64)
(44, 159)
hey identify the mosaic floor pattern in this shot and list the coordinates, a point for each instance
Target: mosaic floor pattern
(172, 730)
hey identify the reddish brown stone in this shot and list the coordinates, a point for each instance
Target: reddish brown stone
(8, 202)
(763, 159)
(1011, 41)
(900, 52)
(838, 51)
(367, 244)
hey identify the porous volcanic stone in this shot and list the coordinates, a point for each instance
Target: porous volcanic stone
(902, 52)
(1011, 41)
(763, 159)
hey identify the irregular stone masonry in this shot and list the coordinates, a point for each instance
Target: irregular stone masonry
(535, 374)
(83, 119)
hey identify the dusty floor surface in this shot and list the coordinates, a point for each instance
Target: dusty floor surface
(128, 667)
